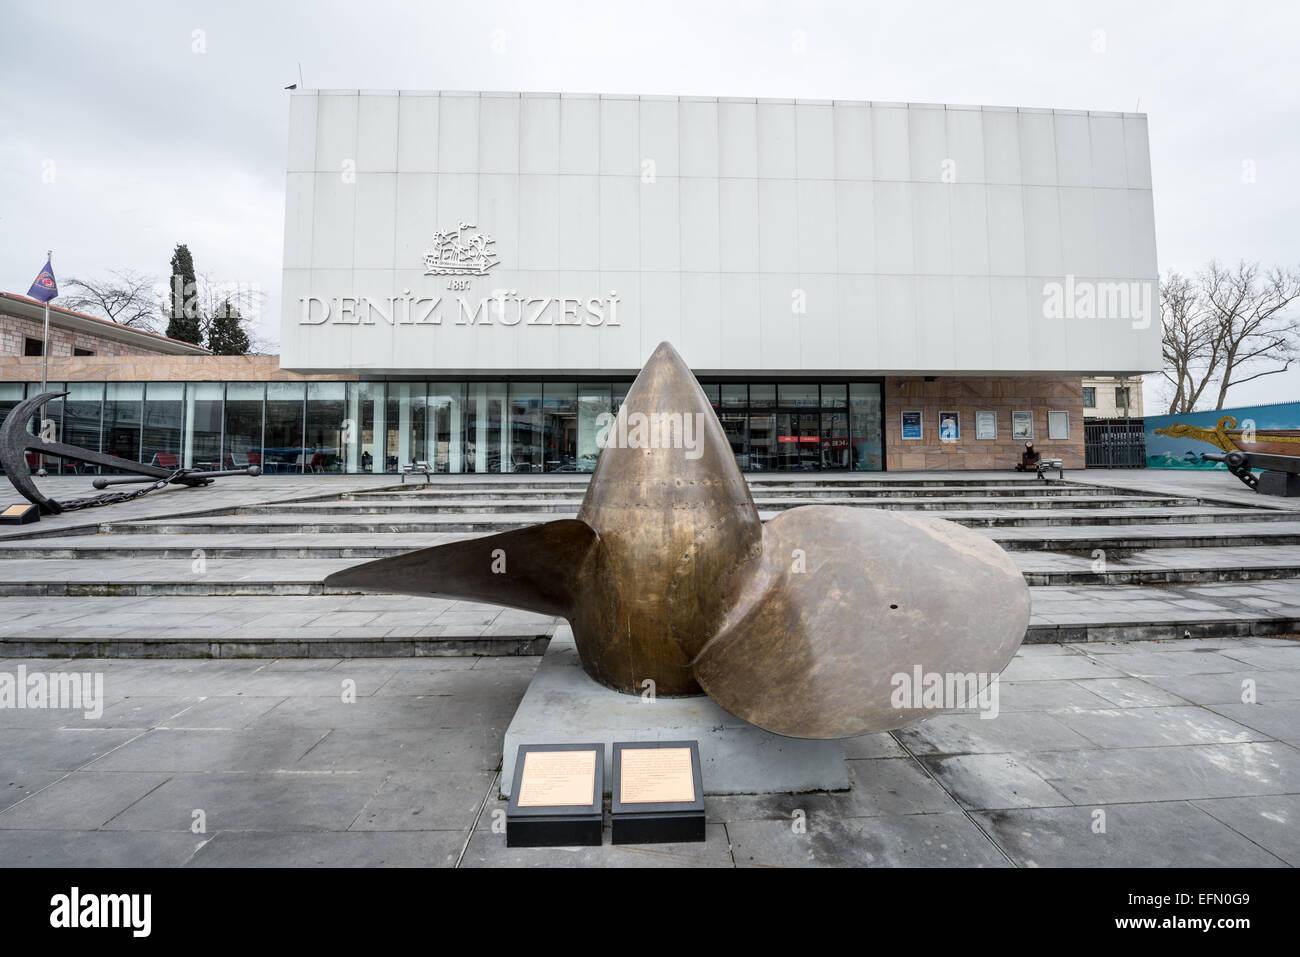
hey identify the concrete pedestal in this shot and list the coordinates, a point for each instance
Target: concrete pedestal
(564, 706)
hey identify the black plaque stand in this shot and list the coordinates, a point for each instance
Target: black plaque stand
(556, 825)
(658, 823)
(20, 514)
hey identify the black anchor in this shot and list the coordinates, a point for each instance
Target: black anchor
(16, 441)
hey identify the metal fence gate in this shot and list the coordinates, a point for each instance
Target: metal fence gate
(1114, 443)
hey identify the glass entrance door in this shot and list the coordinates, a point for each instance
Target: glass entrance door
(798, 440)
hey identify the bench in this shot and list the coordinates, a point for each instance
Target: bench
(1046, 465)
(417, 468)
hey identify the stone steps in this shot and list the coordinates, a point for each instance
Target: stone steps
(245, 542)
(317, 523)
(764, 501)
(444, 495)
(123, 582)
(382, 625)
(211, 575)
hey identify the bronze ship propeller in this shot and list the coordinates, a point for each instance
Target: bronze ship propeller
(800, 626)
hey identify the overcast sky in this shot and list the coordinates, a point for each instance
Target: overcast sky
(118, 139)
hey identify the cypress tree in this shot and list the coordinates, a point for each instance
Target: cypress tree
(183, 317)
(226, 336)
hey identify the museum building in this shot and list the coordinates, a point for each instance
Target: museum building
(474, 279)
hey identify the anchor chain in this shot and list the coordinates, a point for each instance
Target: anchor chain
(112, 498)
(1244, 473)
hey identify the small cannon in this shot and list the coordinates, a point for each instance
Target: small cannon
(16, 441)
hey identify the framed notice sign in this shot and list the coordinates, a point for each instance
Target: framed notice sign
(949, 426)
(1022, 425)
(1058, 425)
(555, 798)
(658, 792)
(986, 425)
(912, 426)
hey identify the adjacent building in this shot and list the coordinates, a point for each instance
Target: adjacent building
(22, 333)
(1112, 397)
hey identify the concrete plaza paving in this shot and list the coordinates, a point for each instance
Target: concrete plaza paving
(225, 662)
(1135, 753)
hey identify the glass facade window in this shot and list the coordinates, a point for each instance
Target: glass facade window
(486, 437)
(11, 393)
(284, 451)
(242, 425)
(797, 441)
(204, 403)
(327, 404)
(53, 412)
(835, 395)
(404, 422)
(446, 417)
(164, 424)
(762, 442)
(735, 426)
(321, 427)
(122, 417)
(835, 441)
(82, 410)
(527, 440)
(367, 411)
(618, 392)
(735, 395)
(866, 439)
(560, 426)
(594, 413)
(797, 395)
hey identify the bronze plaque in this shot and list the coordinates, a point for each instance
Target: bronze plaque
(558, 779)
(15, 510)
(656, 776)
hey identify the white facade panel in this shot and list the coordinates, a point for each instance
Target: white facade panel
(776, 141)
(302, 134)
(659, 138)
(498, 134)
(417, 132)
(890, 151)
(458, 134)
(852, 133)
(697, 135)
(466, 232)
(377, 133)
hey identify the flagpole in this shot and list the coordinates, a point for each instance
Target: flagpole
(45, 344)
(45, 358)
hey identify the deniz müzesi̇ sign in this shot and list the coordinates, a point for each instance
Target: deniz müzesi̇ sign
(460, 255)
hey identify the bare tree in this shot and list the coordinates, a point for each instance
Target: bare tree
(1226, 327)
(1248, 310)
(124, 296)
(1188, 341)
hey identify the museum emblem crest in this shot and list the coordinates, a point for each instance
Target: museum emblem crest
(460, 252)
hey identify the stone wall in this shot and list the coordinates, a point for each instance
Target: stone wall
(15, 330)
(967, 395)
